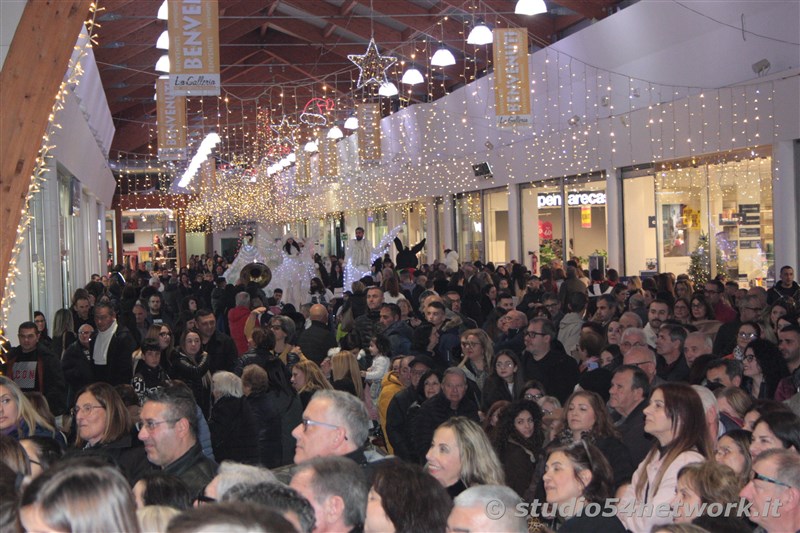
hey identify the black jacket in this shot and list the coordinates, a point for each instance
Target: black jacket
(556, 370)
(146, 379)
(316, 341)
(193, 468)
(78, 369)
(234, 435)
(368, 325)
(222, 352)
(193, 371)
(432, 413)
(39, 370)
(131, 460)
(398, 427)
(267, 420)
(633, 435)
(119, 358)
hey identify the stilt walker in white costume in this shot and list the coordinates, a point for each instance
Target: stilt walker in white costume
(248, 253)
(361, 255)
(294, 273)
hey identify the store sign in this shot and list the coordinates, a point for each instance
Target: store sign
(512, 95)
(194, 47)
(574, 199)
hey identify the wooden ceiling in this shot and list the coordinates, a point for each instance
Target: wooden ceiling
(281, 53)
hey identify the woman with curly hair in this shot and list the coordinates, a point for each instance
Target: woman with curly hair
(518, 440)
(586, 418)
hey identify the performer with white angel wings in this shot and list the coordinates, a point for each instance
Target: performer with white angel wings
(248, 253)
(361, 255)
(294, 274)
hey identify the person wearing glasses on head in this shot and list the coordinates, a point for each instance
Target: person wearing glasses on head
(775, 485)
(168, 428)
(104, 427)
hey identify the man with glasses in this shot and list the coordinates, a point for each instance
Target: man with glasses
(713, 292)
(774, 491)
(553, 306)
(632, 338)
(168, 429)
(545, 360)
(750, 310)
(334, 423)
(112, 348)
(398, 421)
(644, 358)
(630, 389)
(34, 368)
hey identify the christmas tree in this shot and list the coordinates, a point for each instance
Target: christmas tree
(700, 265)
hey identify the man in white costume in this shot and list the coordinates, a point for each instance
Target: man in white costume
(359, 259)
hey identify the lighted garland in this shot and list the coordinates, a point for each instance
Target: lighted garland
(75, 71)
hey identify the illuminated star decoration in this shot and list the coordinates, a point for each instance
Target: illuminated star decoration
(371, 65)
(285, 131)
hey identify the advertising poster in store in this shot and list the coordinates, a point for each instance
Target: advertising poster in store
(512, 97)
(171, 119)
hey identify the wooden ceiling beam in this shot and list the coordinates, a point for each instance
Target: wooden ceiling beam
(586, 9)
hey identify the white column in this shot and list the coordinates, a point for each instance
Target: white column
(614, 220)
(515, 225)
(786, 199)
(448, 230)
(431, 235)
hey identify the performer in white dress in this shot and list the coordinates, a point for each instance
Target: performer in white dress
(294, 274)
(248, 253)
(361, 254)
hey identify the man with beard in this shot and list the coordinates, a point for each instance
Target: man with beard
(359, 258)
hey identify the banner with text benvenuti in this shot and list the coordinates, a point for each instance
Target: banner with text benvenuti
(171, 119)
(512, 95)
(194, 47)
(369, 134)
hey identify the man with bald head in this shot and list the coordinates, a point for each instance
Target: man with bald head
(644, 358)
(317, 339)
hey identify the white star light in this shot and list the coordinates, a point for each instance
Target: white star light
(285, 131)
(371, 65)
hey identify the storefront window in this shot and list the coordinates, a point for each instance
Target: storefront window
(38, 252)
(468, 213)
(377, 225)
(496, 216)
(707, 219)
(586, 218)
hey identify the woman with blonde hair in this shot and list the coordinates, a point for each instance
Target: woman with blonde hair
(18, 416)
(461, 456)
(478, 353)
(346, 374)
(704, 487)
(307, 379)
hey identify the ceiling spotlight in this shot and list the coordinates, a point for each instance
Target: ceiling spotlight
(335, 133)
(443, 58)
(480, 34)
(351, 123)
(530, 7)
(575, 120)
(412, 76)
(311, 146)
(163, 11)
(761, 67)
(162, 65)
(387, 89)
(163, 41)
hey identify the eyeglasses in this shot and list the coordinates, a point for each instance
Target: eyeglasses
(152, 424)
(534, 397)
(552, 305)
(628, 344)
(202, 498)
(532, 334)
(774, 481)
(749, 358)
(85, 332)
(745, 335)
(467, 344)
(504, 364)
(307, 422)
(86, 409)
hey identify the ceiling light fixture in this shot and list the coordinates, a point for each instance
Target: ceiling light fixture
(481, 34)
(412, 76)
(162, 65)
(203, 151)
(163, 41)
(163, 11)
(530, 7)
(443, 58)
(387, 89)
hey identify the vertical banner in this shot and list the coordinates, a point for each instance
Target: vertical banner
(586, 216)
(512, 97)
(328, 158)
(369, 135)
(302, 171)
(194, 47)
(171, 119)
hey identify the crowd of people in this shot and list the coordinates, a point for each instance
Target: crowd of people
(449, 397)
